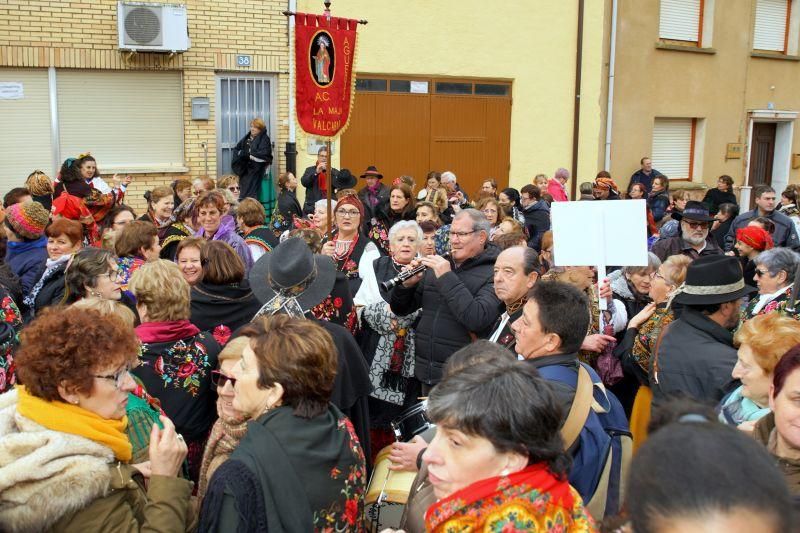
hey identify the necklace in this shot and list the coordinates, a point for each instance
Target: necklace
(515, 306)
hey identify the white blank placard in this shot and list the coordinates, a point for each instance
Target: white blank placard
(600, 233)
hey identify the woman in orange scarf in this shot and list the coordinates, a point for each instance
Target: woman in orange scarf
(497, 462)
(63, 440)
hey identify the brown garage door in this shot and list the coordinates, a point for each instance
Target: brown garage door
(412, 126)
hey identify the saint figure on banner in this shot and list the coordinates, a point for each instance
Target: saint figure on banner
(322, 61)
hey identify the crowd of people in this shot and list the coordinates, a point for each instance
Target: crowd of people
(213, 364)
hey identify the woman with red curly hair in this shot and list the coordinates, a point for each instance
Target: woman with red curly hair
(177, 358)
(75, 365)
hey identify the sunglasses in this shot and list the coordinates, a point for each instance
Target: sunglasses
(218, 379)
(759, 272)
(696, 225)
(234, 188)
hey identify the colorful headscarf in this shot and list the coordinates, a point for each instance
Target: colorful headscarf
(352, 199)
(755, 237)
(606, 183)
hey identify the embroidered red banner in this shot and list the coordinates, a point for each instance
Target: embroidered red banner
(324, 81)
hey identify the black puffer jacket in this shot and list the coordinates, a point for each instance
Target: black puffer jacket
(454, 305)
(51, 293)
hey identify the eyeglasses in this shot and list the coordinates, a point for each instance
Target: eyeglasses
(113, 275)
(218, 379)
(760, 272)
(234, 188)
(696, 225)
(119, 377)
(659, 276)
(346, 213)
(460, 234)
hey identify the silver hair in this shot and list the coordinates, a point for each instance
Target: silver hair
(324, 203)
(403, 225)
(653, 262)
(777, 259)
(448, 176)
(229, 197)
(479, 222)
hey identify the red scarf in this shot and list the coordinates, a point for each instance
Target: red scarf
(169, 331)
(322, 180)
(530, 500)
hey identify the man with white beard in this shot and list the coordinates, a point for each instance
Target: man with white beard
(694, 240)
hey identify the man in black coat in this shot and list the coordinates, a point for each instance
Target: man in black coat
(695, 355)
(644, 175)
(316, 179)
(694, 240)
(456, 296)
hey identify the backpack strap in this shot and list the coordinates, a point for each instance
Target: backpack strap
(579, 410)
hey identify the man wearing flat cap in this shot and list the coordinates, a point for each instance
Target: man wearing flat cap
(694, 240)
(694, 356)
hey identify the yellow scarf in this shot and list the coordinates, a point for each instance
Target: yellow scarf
(61, 416)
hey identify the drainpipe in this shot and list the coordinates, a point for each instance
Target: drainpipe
(610, 104)
(291, 145)
(576, 120)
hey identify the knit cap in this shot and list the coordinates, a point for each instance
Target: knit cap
(28, 219)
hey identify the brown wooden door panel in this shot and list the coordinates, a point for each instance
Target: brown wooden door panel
(359, 141)
(762, 153)
(402, 133)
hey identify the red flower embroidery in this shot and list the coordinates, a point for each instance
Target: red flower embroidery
(335, 472)
(351, 511)
(337, 302)
(186, 370)
(159, 366)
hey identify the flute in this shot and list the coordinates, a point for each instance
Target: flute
(404, 275)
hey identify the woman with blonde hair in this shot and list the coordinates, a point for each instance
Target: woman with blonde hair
(176, 357)
(762, 342)
(231, 426)
(251, 157)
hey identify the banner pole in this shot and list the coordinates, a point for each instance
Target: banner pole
(330, 186)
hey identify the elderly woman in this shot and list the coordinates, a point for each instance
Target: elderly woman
(183, 226)
(515, 475)
(774, 275)
(388, 340)
(288, 207)
(223, 297)
(300, 466)
(93, 272)
(351, 250)
(631, 284)
(177, 358)
(428, 246)
(71, 411)
(202, 185)
(64, 238)
(250, 216)
(253, 154)
(491, 209)
(319, 218)
(215, 225)
(778, 430)
(639, 341)
(160, 203)
(136, 244)
(231, 426)
(189, 261)
(427, 212)
(230, 182)
(762, 341)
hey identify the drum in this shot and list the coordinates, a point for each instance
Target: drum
(411, 422)
(387, 485)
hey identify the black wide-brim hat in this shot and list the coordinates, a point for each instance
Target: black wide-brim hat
(344, 179)
(713, 279)
(290, 266)
(372, 172)
(694, 211)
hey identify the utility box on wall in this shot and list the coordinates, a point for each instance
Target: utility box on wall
(200, 108)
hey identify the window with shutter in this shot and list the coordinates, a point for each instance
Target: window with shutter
(680, 20)
(127, 120)
(26, 113)
(771, 25)
(673, 147)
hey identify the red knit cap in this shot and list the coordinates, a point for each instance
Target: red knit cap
(755, 237)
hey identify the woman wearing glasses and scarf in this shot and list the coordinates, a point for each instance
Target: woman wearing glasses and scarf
(71, 412)
(177, 358)
(774, 276)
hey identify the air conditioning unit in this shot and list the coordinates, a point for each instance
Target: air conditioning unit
(152, 27)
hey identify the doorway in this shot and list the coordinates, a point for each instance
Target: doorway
(762, 153)
(240, 99)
